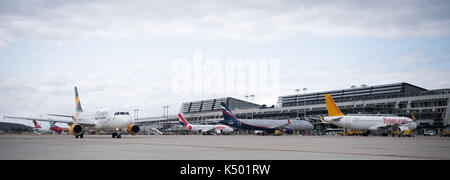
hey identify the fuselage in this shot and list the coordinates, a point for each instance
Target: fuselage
(205, 128)
(265, 124)
(370, 122)
(106, 120)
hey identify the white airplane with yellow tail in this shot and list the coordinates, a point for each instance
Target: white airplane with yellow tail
(82, 121)
(367, 122)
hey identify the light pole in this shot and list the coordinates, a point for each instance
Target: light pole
(296, 100)
(363, 86)
(252, 96)
(353, 99)
(166, 112)
(304, 101)
(136, 114)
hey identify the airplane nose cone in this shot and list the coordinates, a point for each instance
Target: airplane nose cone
(413, 125)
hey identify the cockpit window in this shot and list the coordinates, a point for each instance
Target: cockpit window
(121, 113)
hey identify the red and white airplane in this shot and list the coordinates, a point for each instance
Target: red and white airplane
(54, 128)
(204, 129)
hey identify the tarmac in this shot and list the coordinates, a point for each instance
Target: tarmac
(240, 147)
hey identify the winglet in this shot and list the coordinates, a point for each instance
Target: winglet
(333, 109)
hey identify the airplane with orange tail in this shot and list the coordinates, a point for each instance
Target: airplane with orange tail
(366, 122)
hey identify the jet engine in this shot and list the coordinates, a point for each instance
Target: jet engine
(76, 129)
(289, 131)
(133, 129)
(403, 128)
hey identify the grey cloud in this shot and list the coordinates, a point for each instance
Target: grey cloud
(238, 20)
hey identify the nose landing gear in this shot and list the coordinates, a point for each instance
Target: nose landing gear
(116, 134)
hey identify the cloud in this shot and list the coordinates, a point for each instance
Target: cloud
(243, 21)
(52, 92)
(414, 59)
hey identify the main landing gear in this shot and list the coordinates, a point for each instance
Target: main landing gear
(116, 134)
(79, 136)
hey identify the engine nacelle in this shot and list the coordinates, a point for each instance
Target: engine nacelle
(133, 129)
(75, 129)
(403, 128)
(289, 131)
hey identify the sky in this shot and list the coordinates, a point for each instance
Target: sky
(148, 54)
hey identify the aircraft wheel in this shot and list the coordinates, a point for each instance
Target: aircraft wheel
(81, 136)
(76, 137)
(119, 136)
(113, 135)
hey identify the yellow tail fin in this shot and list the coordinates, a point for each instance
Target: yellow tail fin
(333, 109)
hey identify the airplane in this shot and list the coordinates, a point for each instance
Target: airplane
(38, 129)
(54, 128)
(367, 122)
(218, 129)
(83, 121)
(276, 127)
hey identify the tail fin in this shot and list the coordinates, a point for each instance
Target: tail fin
(333, 109)
(228, 116)
(36, 125)
(183, 121)
(77, 101)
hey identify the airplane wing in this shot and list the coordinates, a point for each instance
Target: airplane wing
(210, 130)
(52, 120)
(385, 126)
(282, 126)
(61, 115)
(144, 121)
(377, 127)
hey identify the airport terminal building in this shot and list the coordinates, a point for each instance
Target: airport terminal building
(430, 107)
(214, 105)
